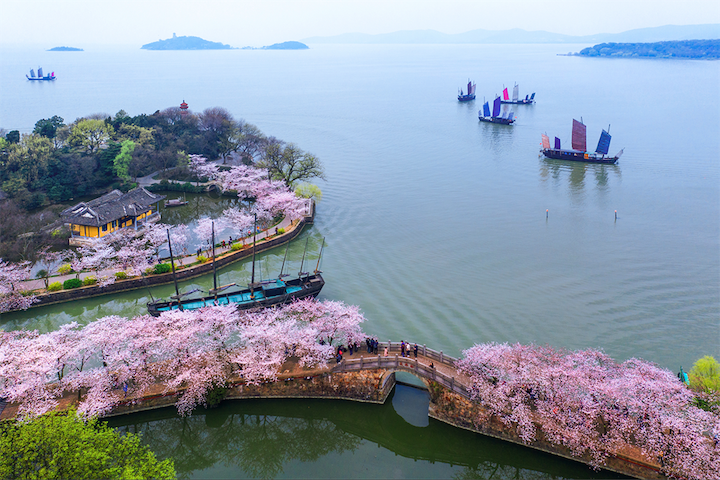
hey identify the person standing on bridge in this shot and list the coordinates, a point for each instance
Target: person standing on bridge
(386, 351)
(402, 348)
(415, 350)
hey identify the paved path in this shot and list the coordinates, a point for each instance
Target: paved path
(40, 283)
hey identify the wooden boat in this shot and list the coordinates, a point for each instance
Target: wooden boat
(506, 118)
(528, 100)
(263, 294)
(40, 76)
(175, 202)
(470, 95)
(579, 151)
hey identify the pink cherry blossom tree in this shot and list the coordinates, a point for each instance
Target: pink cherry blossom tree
(11, 288)
(592, 405)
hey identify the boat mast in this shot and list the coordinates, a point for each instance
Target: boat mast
(300, 273)
(283, 264)
(317, 267)
(252, 278)
(214, 267)
(172, 264)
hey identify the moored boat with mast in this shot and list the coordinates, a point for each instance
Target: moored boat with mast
(262, 294)
(506, 118)
(579, 152)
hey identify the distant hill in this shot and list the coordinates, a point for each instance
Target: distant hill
(654, 34)
(65, 49)
(281, 46)
(185, 43)
(286, 46)
(701, 49)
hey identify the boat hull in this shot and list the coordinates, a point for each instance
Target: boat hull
(295, 289)
(48, 78)
(519, 102)
(576, 156)
(466, 98)
(496, 120)
(174, 204)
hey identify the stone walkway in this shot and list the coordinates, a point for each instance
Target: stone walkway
(40, 283)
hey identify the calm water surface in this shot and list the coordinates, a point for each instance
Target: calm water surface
(435, 223)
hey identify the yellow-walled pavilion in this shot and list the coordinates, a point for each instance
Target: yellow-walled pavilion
(111, 212)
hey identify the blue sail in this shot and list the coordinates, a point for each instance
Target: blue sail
(603, 143)
(486, 110)
(557, 143)
(496, 107)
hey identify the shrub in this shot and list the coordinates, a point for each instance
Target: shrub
(202, 258)
(280, 231)
(162, 268)
(55, 287)
(215, 395)
(72, 283)
(121, 275)
(705, 375)
(149, 271)
(89, 281)
(237, 246)
(64, 269)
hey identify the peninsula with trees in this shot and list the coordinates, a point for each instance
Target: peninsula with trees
(686, 49)
(185, 43)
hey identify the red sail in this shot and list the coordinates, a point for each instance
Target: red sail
(505, 94)
(545, 141)
(578, 136)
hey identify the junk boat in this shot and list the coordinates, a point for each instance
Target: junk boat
(579, 151)
(528, 100)
(470, 93)
(263, 294)
(507, 118)
(40, 75)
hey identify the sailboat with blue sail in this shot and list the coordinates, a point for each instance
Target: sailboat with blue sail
(579, 152)
(506, 118)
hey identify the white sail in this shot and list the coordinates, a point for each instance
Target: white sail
(515, 93)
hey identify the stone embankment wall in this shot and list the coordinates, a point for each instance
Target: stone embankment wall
(453, 409)
(370, 386)
(51, 298)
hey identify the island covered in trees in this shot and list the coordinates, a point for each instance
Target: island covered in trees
(65, 49)
(697, 49)
(185, 43)
(58, 163)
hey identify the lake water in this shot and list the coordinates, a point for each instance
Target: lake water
(435, 223)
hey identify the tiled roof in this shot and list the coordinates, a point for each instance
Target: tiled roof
(111, 206)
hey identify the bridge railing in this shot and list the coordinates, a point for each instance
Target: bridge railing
(434, 355)
(412, 365)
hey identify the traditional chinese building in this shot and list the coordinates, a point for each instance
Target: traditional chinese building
(111, 212)
(183, 108)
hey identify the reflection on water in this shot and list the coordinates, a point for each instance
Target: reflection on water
(286, 438)
(576, 173)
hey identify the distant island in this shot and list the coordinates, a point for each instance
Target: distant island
(517, 35)
(281, 46)
(697, 49)
(66, 49)
(185, 43)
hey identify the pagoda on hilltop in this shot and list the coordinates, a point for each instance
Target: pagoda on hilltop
(183, 107)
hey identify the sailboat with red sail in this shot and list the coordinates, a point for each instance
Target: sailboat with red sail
(470, 95)
(504, 118)
(528, 100)
(579, 152)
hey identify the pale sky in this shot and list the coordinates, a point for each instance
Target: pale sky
(79, 23)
